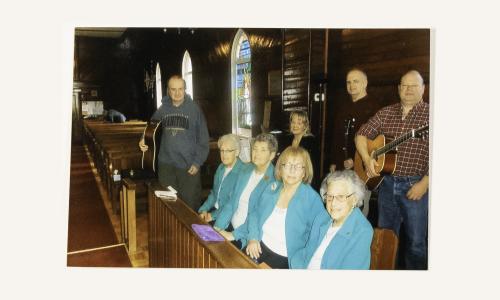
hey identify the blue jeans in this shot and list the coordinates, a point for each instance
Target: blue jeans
(394, 208)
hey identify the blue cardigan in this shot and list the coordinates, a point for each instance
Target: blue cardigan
(226, 187)
(349, 248)
(303, 208)
(227, 212)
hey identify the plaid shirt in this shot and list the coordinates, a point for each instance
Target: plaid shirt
(413, 154)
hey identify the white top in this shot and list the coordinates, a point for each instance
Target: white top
(274, 231)
(226, 171)
(241, 213)
(245, 152)
(315, 263)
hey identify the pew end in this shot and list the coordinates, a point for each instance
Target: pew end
(384, 249)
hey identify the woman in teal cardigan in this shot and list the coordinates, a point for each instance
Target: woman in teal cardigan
(251, 182)
(341, 236)
(280, 221)
(224, 179)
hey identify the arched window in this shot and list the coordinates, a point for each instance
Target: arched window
(159, 94)
(241, 70)
(187, 73)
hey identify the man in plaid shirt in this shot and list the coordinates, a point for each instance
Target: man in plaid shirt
(403, 195)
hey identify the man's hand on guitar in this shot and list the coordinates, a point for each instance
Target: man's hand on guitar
(370, 165)
(143, 146)
(418, 189)
(193, 170)
(348, 164)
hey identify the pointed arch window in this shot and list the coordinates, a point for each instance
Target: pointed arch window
(159, 93)
(187, 73)
(241, 70)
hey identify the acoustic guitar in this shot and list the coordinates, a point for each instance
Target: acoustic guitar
(152, 138)
(385, 155)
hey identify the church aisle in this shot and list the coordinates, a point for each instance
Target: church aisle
(91, 238)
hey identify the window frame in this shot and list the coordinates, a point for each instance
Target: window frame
(187, 73)
(239, 38)
(159, 91)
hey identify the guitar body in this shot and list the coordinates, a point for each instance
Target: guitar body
(152, 138)
(386, 163)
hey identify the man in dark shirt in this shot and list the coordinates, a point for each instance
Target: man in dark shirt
(403, 195)
(355, 113)
(352, 112)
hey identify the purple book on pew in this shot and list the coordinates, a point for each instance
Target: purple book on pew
(207, 233)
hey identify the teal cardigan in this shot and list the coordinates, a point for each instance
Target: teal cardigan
(231, 206)
(349, 248)
(226, 187)
(303, 208)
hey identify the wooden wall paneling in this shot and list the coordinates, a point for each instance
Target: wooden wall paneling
(296, 64)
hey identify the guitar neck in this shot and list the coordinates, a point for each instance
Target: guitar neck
(390, 146)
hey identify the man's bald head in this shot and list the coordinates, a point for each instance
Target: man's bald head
(356, 83)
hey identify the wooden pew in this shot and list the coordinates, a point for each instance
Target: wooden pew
(114, 147)
(117, 163)
(132, 193)
(173, 244)
(384, 249)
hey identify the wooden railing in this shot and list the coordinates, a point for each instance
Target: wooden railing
(173, 244)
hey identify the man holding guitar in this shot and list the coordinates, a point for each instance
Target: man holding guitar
(403, 195)
(184, 142)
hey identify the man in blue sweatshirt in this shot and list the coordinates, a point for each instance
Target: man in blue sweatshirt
(184, 142)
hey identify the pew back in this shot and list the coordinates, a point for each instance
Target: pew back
(173, 243)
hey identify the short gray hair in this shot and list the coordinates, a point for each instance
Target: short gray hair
(363, 73)
(232, 138)
(356, 185)
(177, 77)
(270, 139)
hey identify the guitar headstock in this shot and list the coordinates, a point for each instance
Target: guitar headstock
(421, 132)
(349, 124)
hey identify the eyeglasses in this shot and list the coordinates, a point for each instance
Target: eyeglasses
(226, 151)
(339, 198)
(291, 167)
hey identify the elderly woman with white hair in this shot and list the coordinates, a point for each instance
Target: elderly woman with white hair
(225, 177)
(341, 236)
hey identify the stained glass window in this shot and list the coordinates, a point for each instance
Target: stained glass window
(244, 52)
(241, 78)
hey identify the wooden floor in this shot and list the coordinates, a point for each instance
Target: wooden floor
(140, 258)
